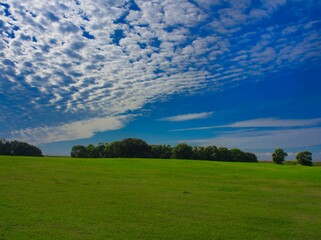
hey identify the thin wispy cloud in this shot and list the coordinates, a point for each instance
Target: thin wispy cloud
(273, 122)
(261, 123)
(63, 62)
(268, 139)
(187, 117)
(193, 129)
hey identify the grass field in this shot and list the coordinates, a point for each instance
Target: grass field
(64, 198)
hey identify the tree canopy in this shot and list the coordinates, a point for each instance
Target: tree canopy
(137, 148)
(304, 158)
(16, 148)
(279, 156)
(182, 151)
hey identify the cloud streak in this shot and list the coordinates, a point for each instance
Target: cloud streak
(261, 123)
(187, 117)
(251, 140)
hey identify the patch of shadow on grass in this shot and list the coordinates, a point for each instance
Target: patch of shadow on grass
(56, 181)
(5, 205)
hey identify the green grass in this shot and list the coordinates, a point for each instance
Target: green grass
(64, 198)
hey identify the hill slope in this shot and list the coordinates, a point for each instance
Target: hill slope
(64, 198)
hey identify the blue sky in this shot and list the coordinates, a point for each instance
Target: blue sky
(243, 74)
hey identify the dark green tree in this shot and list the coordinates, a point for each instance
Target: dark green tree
(250, 157)
(161, 151)
(130, 148)
(204, 153)
(237, 155)
(304, 158)
(215, 153)
(223, 154)
(210, 152)
(5, 147)
(79, 151)
(279, 155)
(199, 153)
(103, 148)
(182, 151)
(114, 149)
(24, 149)
(92, 151)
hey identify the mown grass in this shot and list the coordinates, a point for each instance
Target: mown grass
(64, 198)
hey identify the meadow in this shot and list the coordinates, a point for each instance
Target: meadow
(69, 198)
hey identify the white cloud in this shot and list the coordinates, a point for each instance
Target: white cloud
(56, 70)
(271, 139)
(71, 131)
(272, 5)
(261, 123)
(187, 117)
(181, 12)
(264, 155)
(273, 122)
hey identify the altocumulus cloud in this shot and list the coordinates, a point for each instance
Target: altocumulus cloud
(63, 63)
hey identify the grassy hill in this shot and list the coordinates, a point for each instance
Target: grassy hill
(64, 198)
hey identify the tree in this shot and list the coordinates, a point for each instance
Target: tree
(304, 158)
(135, 148)
(103, 148)
(210, 152)
(161, 151)
(79, 151)
(92, 151)
(222, 154)
(24, 149)
(214, 153)
(182, 151)
(17, 148)
(250, 157)
(199, 153)
(279, 156)
(129, 148)
(5, 147)
(114, 149)
(204, 153)
(237, 155)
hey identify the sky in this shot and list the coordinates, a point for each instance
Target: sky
(238, 73)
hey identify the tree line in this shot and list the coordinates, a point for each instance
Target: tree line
(138, 148)
(16, 148)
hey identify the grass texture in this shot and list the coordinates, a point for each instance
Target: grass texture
(64, 198)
